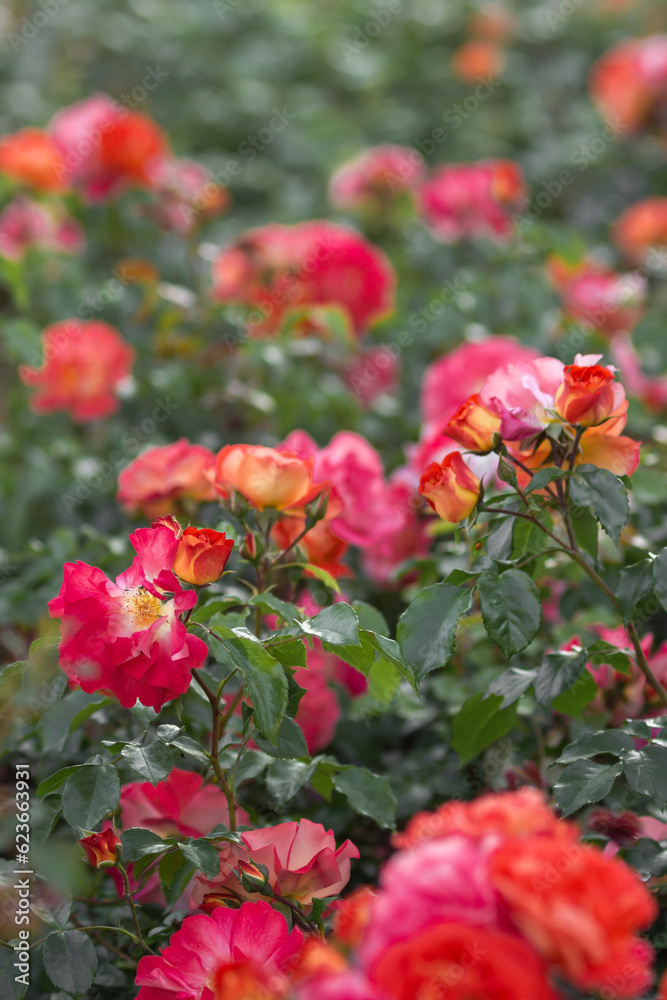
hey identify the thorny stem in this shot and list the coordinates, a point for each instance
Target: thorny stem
(215, 744)
(126, 886)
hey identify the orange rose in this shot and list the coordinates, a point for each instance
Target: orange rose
(100, 848)
(202, 555)
(473, 426)
(477, 59)
(323, 548)
(351, 915)
(619, 455)
(30, 156)
(132, 147)
(266, 477)
(451, 488)
(587, 395)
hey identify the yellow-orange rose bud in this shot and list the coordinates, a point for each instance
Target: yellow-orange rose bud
(101, 848)
(451, 488)
(473, 426)
(202, 555)
(266, 477)
(587, 395)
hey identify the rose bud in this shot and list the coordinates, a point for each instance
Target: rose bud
(451, 488)
(253, 877)
(587, 395)
(101, 848)
(473, 426)
(202, 555)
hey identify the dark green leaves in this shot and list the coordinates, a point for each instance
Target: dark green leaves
(337, 625)
(646, 771)
(153, 762)
(203, 855)
(369, 794)
(480, 722)
(427, 629)
(70, 961)
(264, 680)
(290, 741)
(511, 609)
(660, 577)
(605, 494)
(584, 781)
(559, 672)
(91, 792)
(634, 584)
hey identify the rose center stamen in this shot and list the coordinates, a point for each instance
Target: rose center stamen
(144, 607)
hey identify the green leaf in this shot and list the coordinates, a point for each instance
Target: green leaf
(90, 793)
(360, 657)
(289, 744)
(575, 700)
(529, 539)
(391, 651)
(321, 574)
(62, 718)
(56, 914)
(511, 609)
(12, 670)
(605, 494)
(602, 652)
(512, 684)
(336, 625)
(370, 618)
(634, 584)
(646, 771)
(543, 477)
(591, 744)
(138, 842)
(286, 777)
(264, 679)
(273, 605)
(479, 723)
(152, 762)
(427, 628)
(290, 652)
(187, 747)
(660, 577)
(559, 672)
(54, 781)
(47, 642)
(586, 530)
(584, 781)
(70, 961)
(10, 989)
(203, 855)
(368, 794)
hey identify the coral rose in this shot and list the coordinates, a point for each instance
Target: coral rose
(27, 225)
(126, 638)
(160, 477)
(512, 814)
(84, 363)
(179, 805)
(463, 963)
(477, 59)
(302, 860)
(439, 880)
(579, 909)
(230, 955)
(202, 555)
(283, 271)
(588, 395)
(451, 489)
(376, 177)
(471, 200)
(473, 426)
(642, 230)
(30, 156)
(266, 477)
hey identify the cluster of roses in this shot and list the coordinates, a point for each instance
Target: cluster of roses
(128, 636)
(544, 414)
(492, 898)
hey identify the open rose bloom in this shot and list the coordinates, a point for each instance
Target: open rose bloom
(376, 177)
(159, 479)
(466, 201)
(285, 273)
(85, 361)
(125, 637)
(629, 83)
